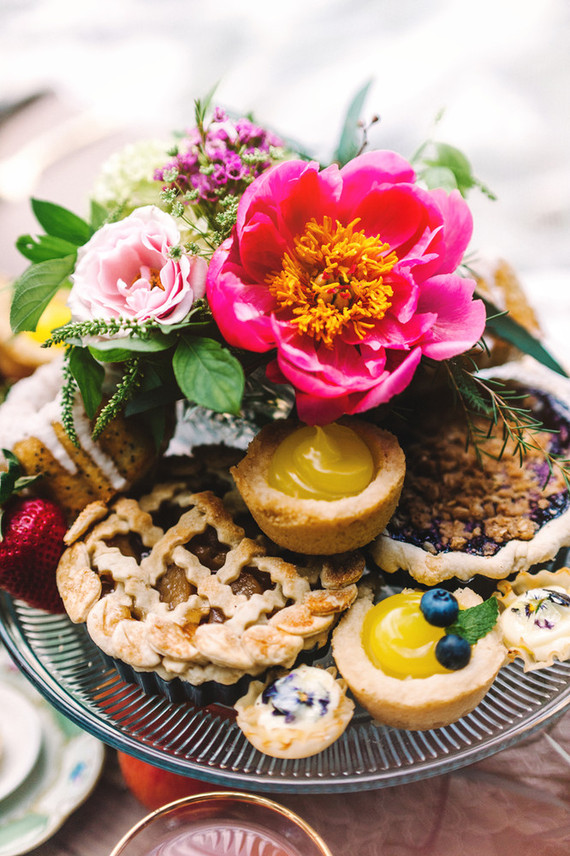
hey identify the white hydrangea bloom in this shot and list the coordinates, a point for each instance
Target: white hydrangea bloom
(126, 178)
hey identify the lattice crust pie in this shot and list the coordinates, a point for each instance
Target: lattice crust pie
(457, 518)
(170, 584)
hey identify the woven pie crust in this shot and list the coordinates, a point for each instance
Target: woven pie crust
(194, 599)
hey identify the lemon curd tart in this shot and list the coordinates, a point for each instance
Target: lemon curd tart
(321, 490)
(421, 694)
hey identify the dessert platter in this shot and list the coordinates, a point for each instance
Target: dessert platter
(288, 508)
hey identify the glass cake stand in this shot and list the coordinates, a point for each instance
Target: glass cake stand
(60, 659)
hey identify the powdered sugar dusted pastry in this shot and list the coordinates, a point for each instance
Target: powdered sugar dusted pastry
(169, 584)
(414, 703)
(458, 517)
(535, 621)
(30, 427)
(303, 520)
(296, 715)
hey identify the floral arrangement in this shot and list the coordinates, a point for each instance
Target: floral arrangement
(228, 254)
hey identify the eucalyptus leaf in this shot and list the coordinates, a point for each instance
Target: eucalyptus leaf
(505, 326)
(34, 290)
(349, 142)
(89, 375)
(209, 374)
(44, 247)
(61, 223)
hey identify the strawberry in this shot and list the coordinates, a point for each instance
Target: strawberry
(31, 542)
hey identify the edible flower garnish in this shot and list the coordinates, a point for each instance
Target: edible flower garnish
(226, 260)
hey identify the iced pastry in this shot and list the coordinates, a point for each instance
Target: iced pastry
(30, 427)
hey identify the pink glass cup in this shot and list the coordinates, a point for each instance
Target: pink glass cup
(229, 822)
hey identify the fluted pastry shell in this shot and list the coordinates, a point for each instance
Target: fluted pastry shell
(274, 735)
(415, 704)
(321, 527)
(543, 638)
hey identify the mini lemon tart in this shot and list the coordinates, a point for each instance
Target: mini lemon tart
(321, 490)
(535, 621)
(378, 679)
(22, 353)
(296, 715)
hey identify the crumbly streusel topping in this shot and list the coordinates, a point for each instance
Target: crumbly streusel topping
(451, 502)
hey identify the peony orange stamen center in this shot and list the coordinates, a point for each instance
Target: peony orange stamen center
(333, 280)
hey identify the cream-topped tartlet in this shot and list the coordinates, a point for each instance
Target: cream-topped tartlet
(321, 490)
(297, 715)
(535, 621)
(439, 695)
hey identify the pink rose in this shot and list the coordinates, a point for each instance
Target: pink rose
(350, 275)
(125, 271)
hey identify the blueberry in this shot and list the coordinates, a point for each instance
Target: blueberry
(439, 607)
(453, 652)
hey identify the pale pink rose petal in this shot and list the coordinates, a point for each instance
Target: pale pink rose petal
(125, 270)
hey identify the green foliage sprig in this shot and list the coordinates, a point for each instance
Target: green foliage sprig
(125, 390)
(501, 408)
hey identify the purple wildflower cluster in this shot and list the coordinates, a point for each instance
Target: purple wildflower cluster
(220, 159)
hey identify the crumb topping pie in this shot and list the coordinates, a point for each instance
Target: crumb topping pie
(459, 516)
(169, 583)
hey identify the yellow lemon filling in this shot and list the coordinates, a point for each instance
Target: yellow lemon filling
(328, 462)
(398, 640)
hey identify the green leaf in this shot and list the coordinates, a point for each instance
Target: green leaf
(110, 355)
(44, 247)
(11, 480)
(440, 176)
(455, 161)
(99, 215)
(349, 143)
(61, 223)
(209, 375)
(34, 290)
(89, 375)
(476, 621)
(153, 344)
(443, 161)
(504, 326)
(202, 105)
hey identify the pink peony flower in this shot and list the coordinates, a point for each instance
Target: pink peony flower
(350, 274)
(125, 271)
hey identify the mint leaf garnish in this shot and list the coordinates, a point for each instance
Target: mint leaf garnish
(476, 621)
